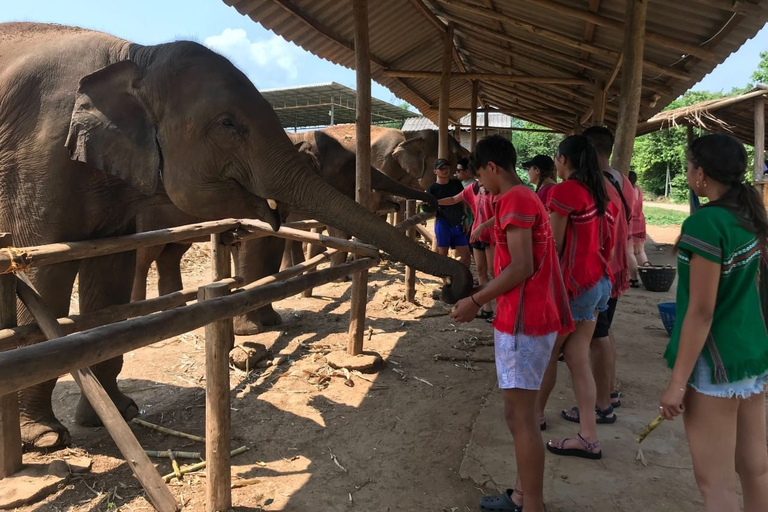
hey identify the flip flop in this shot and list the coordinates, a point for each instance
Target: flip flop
(500, 503)
(587, 453)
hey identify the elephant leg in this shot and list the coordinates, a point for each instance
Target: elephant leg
(288, 255)
(256, 259)
(106, 281)
(297, 253)
(169, 268)
(39, 427)
(144, 258)
(340, 257)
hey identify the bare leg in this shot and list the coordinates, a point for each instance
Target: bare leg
(463, 252)
(576, 351)
(710, 426)
(632, 261)
(751, 453)
(482, 273)
(638, 250)
(550, 378)
(604, 368)
(529, 450)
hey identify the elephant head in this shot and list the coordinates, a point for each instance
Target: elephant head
(182, 115)
(418, 152)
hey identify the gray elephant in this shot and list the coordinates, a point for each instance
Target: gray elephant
(93, 129)
(261, 257)
(406, 157)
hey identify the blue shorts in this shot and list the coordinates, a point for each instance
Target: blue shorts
(701, 381)
(596, 298)
(522, 360)
(448, 236)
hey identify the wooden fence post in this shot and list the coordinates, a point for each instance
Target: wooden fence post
(221, 264)
(357, 313)
(410, 273)
(10, 434)
(219, 337)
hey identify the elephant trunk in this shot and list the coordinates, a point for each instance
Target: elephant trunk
(383, 183)
(308, 194)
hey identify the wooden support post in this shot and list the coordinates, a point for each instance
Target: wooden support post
(693, 200)
(359, 300)
(598, 104)
(410, 273)
(221, 265)
(485, 123)
(219, 338)
(759, 138)
(445, 94)
(157, 492)
(10, 434)
(363, 119)
(473, 116)
(631, 84)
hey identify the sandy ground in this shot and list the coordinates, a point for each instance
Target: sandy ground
(420, 434)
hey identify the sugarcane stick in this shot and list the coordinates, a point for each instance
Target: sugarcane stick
(201, 465)
(168, 431)
(650, 428)
(174, 465)
(178, 455)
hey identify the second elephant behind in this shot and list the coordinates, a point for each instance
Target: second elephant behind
(262, 257)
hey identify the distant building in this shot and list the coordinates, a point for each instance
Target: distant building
(497, 124)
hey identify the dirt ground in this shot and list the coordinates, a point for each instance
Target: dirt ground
(390, 441)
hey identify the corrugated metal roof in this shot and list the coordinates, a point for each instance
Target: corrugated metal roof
(495, 120)
(311, 105)
(733, 115)
(685, 40)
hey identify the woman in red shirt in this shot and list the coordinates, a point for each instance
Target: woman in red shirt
(541, 172)
(582, 223)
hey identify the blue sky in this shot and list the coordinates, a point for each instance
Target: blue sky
(266, 58)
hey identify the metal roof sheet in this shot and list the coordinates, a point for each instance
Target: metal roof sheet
(495, 120)
(529, 38)
(311, 105)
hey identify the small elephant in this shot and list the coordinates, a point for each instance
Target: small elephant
(406, 157)
(262, 257)
(95, 129)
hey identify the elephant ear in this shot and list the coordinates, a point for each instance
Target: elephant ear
(411, 157)
(111, 129)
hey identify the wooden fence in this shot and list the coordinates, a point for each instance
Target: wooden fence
(25, 362)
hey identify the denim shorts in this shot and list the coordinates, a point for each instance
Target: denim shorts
(522, 360)
(701, 381)
(596, 298)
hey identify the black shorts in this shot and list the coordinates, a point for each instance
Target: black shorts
(480, 246)
(605, 319)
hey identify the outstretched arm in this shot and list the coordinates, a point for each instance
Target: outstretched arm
(448, 201)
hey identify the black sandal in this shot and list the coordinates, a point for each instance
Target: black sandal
(591, 451)
(605, 416)
(484, 314)
(615, 396)
(633, 283)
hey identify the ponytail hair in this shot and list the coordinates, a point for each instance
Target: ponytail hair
(545, 173)
(583, 157)
(724, 159)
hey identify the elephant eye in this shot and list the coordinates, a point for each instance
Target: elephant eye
(228, 122)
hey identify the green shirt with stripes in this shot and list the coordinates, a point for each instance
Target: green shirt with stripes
(737, 344)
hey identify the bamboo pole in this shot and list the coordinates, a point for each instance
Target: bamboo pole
(15, 337)
(473, 115)
(363, 119)
(352, 246)
(169, 431)
(405, 73)
(358, 302)
(203, 464)
(10, 433)
(631, 85)
(445, 94)
(166, 454)
(410, 272)
(759, 139)
(50, 254)
(598, 104)
(27, 366)
(158, 494)
(219, 338)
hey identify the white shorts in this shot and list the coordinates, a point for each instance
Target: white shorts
(522, 360)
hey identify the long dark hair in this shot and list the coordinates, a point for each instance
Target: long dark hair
(724, 159)
(583, 157)
(545, 173)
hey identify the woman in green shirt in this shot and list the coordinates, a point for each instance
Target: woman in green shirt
(719, 347)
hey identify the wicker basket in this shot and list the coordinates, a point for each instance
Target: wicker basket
(657, 279)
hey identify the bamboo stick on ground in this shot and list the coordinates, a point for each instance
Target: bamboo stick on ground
(179, 455)
(174, 464)
(473, 359)
(168, 431)
(650, 428)
(201, 465)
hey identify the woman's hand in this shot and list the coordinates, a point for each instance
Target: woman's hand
(465, 310)
(671, 402)
(476, 234)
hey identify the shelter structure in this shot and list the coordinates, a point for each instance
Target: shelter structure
(498, 123)
(327, 104)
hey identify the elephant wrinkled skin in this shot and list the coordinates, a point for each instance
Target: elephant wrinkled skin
(94, 129)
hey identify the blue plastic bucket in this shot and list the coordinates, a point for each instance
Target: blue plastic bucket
(668, 313)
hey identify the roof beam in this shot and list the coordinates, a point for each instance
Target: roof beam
(404, 73)
(738, 6)
(551, 36)
(603, 21)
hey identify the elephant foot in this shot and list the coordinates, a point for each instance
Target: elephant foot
(254, 322)
(44, 435)
(87, 417)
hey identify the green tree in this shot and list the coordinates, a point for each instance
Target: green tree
(761, 73)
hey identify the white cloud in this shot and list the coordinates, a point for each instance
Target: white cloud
(259, 59)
